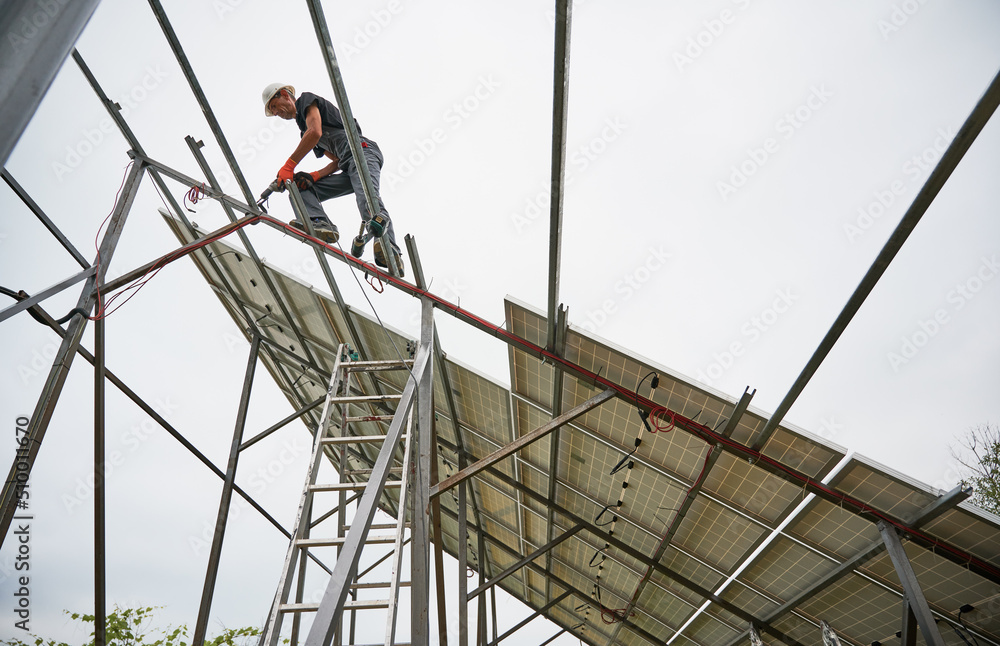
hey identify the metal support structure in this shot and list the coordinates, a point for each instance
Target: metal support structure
(522, 442)
(439, 360)
(560, 106)
(332, 605)
(913, 594)
(100, 499)
(42, 414)
(558, 377)
(956, 150)
(215, 554)
(29, 64)
(347, 115)
(463, 565)
(420, 530)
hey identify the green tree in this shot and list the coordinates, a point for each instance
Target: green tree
(133, 627)
(979, 453)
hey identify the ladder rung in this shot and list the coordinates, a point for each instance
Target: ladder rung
(356, 439)
(360, 604)
(368, 472)
(366, 604)
(383, 526)
(351, 486)
(298, 607)
(328, 542)
(389, 364)
(363, 399)
(370, 418)
(371, 586)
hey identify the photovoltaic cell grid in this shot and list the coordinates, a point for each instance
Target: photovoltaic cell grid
(735, 505)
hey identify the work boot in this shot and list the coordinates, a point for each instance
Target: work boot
(380, 257)
(325, 231)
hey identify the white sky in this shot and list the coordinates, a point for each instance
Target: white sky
(829, 107)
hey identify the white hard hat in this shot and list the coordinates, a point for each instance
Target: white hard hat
(269, 93)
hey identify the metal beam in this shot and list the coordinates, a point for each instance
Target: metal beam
(560, 105)
(967, 134)
(28, 64)
(524, 622)
(215, 554)
(420, 531)
(914, 597)
(522, 442)
(294, 416)
(332, 605)
(56, 379)
(100, 499)
(24, 304)
(527, 559)
(347, 116)
(44, 219)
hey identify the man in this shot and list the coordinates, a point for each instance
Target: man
(322, 131)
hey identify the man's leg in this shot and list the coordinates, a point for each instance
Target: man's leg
(326, 188)
(373, 157)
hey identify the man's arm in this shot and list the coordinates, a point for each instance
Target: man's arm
(314, 130)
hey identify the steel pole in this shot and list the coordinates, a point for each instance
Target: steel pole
(100, 562)
(227, 496)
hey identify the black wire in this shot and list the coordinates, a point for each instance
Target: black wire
(957, 632)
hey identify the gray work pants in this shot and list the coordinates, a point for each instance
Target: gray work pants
(349, 181)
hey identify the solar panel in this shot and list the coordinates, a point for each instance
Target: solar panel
(668, 524)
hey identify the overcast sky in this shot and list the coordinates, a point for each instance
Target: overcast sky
(733, 168)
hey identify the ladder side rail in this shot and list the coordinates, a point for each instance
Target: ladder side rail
(273, 628)
(332, 604)
(397, 560)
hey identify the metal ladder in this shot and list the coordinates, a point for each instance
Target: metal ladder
(339, 400)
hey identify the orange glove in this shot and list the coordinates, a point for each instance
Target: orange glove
(287, 171)
(315, 175)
